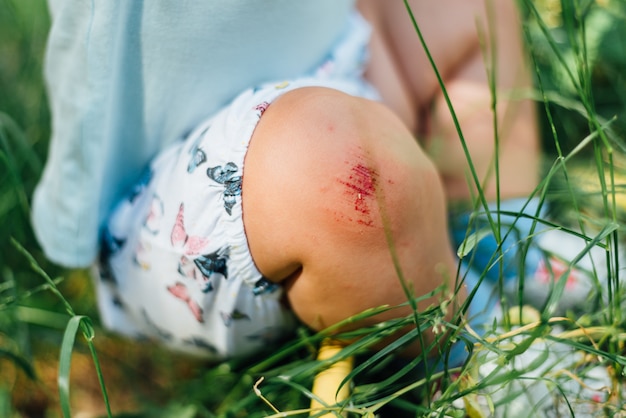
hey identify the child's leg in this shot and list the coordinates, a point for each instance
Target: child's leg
(462, 54)
(452, 31)
(339, 201)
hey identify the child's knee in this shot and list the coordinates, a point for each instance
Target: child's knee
(319, 155)
(338, 198)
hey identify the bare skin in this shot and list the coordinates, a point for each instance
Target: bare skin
(334, 185)
(352, 171)
(451, 31)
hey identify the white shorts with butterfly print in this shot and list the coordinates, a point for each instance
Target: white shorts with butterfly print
(175, 264)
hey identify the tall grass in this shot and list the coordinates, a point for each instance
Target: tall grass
(579, 59)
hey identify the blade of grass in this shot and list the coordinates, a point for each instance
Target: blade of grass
(85, 325)
(65, 360)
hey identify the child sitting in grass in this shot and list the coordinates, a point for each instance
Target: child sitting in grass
(297, 159)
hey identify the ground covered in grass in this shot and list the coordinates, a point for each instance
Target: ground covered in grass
(578, 48)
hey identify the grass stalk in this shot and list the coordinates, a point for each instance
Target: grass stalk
(76, 322)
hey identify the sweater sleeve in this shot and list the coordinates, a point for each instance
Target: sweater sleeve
(127, 78)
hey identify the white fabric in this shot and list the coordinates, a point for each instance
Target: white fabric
(128, 77)
(175, 261)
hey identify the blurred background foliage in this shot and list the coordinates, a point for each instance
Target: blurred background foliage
(578, 48)
(32, 320)
(24, 129)
(602, 23)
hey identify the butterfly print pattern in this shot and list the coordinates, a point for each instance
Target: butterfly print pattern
(109, 247)
(181, 292)
(153, 219)
(200, 342)
(181, 239)
(261, 108)
(263, 286)
(203, 268)
(236, 315)
(198, 157)
(227, 177)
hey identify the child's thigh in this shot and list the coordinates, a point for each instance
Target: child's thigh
(449, 30)
(457, 33)
(473, 43)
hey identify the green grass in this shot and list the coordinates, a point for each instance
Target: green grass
(579, 59)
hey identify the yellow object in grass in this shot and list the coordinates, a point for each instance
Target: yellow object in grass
(328, 395)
